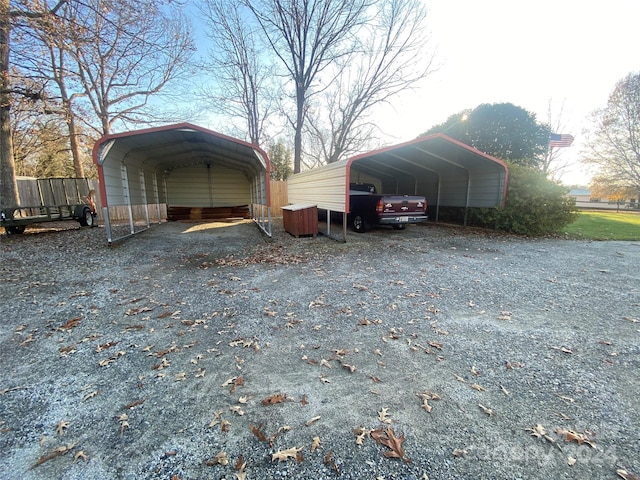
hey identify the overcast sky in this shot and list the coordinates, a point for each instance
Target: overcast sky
(526, 53)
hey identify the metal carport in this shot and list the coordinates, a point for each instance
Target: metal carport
(447, 172)
(183, 165)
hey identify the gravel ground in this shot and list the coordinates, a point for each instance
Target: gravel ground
(209, 351)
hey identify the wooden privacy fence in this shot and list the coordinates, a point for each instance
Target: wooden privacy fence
(278, 197)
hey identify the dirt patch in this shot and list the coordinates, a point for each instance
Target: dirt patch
(447, 353)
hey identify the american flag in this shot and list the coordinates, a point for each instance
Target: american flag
(560, 140)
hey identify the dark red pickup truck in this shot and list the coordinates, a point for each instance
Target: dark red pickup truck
(367, 208)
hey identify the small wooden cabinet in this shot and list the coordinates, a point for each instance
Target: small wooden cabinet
(300, 220)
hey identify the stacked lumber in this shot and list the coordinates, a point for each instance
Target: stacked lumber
(207, 213)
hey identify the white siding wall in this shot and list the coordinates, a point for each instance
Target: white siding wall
(325, 187)
(199, 186)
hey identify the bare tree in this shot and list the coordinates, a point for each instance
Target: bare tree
(8, 186)
(555, 164)
(392, 57)
(307, 36)
(614, 143)
(244, 84)
(124, 53)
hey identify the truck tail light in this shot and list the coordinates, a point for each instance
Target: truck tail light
(380, 206)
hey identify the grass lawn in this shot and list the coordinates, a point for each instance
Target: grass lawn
(605, 226)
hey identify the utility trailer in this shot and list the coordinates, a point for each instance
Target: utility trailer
(51, 200)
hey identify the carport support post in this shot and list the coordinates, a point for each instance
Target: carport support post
(127, 195)
(466, 201)
(156, 196)
(107, 224)
(143, 191)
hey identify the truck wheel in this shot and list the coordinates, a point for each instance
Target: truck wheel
(87, 219)
(15, 229)
(359, 224)
(399, 226)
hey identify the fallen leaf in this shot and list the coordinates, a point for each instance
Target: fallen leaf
(90, 395)
(237, 410)
(80, 455)
(479, 388)
(225, 425)
(361, 433)
(280, 430)
(219, 459)
(133, 404)
(62, 450)
(257, 431)
(389, 440)
(572, 436)
(61, 426)
(315, 443)
(283, 455)
(124, 423)
(325, 363)
(626, 475)
(328, 460)
(459, 452)
(313, 420)
(240, 466)
(274, 399)
(486, 410)
(351, 368)
(236, 383)
(383, 415)
(71, 323)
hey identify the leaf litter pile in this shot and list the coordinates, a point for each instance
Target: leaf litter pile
(412, 354)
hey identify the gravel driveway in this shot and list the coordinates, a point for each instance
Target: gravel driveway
(208, 351)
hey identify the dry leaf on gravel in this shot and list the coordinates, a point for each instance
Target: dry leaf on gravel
(459, 452)
(626, 475)
(539, 431)
(61, 427)
(388, 439)
(328, 460)
(383, 415)
(361, 433)
(274, 399)
(219, 459)
(572, 436)
(283, 455)
(62, 450)
(257, 431)
(486, 410)
(313, 420)
(315, 444)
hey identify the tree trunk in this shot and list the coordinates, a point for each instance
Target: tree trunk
(8, 185)
(297, 145)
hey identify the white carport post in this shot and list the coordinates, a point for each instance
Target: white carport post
(143, 193)
(156, 194)
(127, 195)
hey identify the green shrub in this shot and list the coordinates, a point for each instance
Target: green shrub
(534, 205)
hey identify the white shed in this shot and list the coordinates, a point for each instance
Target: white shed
(181, 165)
(445, 171)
